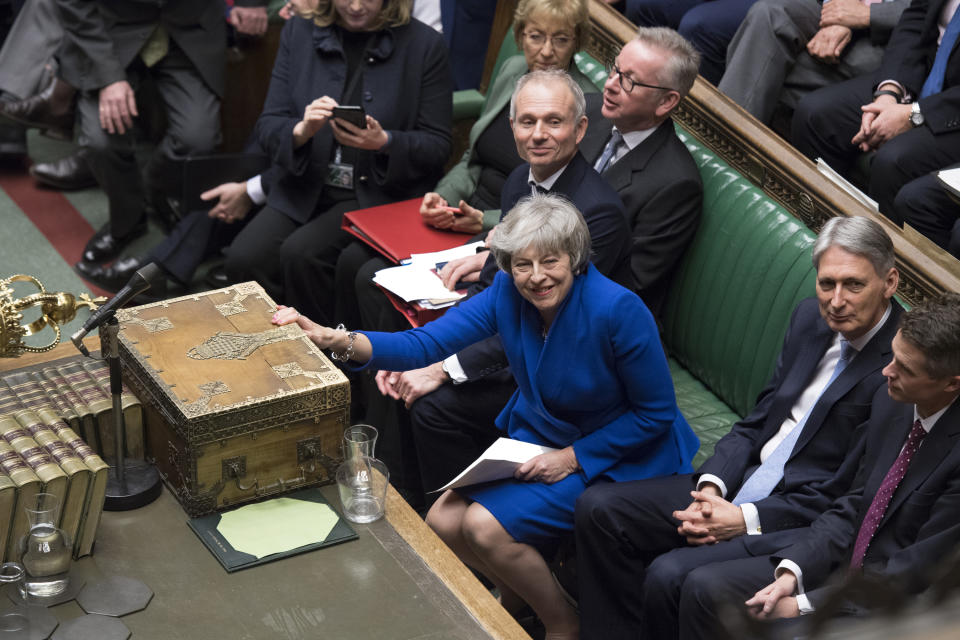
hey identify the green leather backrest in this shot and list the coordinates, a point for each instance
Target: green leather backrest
(730, 303)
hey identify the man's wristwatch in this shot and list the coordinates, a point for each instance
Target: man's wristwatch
(916, 118)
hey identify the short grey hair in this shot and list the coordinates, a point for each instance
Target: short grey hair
(548, 222)
(546, 77)
(683, 63)
(858, 235)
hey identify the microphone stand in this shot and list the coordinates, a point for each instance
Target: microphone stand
(131, 483)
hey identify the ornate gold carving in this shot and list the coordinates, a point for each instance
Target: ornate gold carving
(155, 325)
(55, 309)
(227, 345)
(209, 389)
(291, 369)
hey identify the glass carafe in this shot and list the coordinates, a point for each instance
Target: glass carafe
(362, 479)
(15, 622)
(45, 551)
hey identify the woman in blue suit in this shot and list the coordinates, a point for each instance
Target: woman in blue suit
(593, 384)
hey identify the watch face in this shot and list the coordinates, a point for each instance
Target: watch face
(916, 119)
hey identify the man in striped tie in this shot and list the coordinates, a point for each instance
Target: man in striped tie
(901, 518)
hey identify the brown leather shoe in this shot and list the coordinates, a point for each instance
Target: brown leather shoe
(69, 173)
(51, 110)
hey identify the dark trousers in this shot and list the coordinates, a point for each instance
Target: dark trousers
(620, 528)
(191, 241)
(826, 120)
(926, 206)
(708, 24)
(193, 127)
(294, 262)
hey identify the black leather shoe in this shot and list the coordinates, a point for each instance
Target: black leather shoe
(110, 278)
(104, 246)
(51, 110)
(72, 172)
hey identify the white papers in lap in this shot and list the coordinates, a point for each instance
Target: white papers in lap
(499, 461)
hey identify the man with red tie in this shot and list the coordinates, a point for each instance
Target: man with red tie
(901, 517)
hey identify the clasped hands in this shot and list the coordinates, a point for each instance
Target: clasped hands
(437, 213)
(710, 518)
(318, 113)
(838, 19)
(882, 120)
(776, 600)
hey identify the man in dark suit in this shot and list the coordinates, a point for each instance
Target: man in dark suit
(776, 470)
(548, 118)
(659, 184)
(109, 48)
(901, 517)
(908, 111)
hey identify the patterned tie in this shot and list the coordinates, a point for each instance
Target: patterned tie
(762, 481)
(616, 139)
(934, 82)
(880, 501)
(156, 46)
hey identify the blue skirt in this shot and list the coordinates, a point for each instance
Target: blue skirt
(532, 512)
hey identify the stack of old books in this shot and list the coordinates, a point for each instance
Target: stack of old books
(55, 424)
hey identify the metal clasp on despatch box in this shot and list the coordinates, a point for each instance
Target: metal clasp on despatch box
(309, 451)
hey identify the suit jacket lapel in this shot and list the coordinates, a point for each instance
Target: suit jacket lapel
(620, 174)
(569, 181)
(935, 447)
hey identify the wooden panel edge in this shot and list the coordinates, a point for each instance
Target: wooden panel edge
(454, 574)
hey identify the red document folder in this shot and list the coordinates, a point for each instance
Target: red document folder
(396, 230)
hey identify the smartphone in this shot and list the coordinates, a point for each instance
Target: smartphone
(353, 114)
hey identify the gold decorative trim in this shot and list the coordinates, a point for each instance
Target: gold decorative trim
(228, 345)
(155, 325)
(209, 389)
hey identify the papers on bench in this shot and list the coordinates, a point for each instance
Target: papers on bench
(419, 282)
(499, 461)
(845, 184)
(950, 179)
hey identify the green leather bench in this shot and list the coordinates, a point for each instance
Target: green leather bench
(726, 315)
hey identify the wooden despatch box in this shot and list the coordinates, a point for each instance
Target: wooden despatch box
(235, 408)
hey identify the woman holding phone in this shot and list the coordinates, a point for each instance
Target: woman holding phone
(391, 75)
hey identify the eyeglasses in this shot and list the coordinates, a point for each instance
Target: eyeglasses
(627, 83)
(538, 39)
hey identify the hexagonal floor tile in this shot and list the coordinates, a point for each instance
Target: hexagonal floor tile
(38, 620)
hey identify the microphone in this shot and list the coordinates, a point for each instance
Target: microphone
(142, 280)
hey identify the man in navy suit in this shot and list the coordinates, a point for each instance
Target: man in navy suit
(908, 111)
(901, 517)
(776, 470)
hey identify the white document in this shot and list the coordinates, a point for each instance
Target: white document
(411, 283)
(499, 461)
(950, 179)
(430, 260)
(845, 184)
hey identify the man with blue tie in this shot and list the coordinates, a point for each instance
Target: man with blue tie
(908, 111)
(901, 517)
(777, 469)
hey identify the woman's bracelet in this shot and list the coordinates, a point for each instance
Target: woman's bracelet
(347, 353)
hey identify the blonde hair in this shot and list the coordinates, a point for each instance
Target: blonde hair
(393, 13)
(573, 12)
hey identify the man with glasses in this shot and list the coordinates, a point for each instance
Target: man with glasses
(635, 148)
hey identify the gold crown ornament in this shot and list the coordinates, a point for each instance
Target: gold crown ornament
(55, 309)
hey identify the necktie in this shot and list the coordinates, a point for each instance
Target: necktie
(880, 501)
(535, 188)
(934, 82)
(762, 481)
(616, 139)
(156, 46)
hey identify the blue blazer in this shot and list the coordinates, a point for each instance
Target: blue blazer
(599, 382)
(406, 86)
(922, 522)
(825, 458)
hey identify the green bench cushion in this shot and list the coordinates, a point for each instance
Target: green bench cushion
(705, 412)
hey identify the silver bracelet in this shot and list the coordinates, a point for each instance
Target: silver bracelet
(347, 353)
